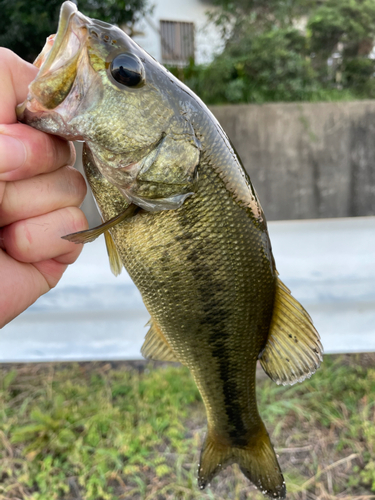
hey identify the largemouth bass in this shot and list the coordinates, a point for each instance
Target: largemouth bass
(180, 213)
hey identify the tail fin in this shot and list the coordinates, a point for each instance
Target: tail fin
(257, 461)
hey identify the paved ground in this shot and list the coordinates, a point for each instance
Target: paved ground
(329, 264)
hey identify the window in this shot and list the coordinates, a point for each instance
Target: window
(177, 42)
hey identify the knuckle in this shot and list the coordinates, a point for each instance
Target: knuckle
(52, 151)
(40, 149)
(76, 185)
(7, 57)
(57, 151)
(18, 239)
(76, 220)
(73, 154)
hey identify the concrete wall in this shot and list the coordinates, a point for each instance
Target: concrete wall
(306, 160)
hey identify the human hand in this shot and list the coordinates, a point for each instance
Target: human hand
(39, 196)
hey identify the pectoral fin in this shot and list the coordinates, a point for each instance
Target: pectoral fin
(293, 351)
(156, 346)
(91, 234)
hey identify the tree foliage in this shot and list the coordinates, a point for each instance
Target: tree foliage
(346, 27)
(351, 22)
(271, 66)
(289, 50)
(25, 24)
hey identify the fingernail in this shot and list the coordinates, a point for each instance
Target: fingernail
(12, 154)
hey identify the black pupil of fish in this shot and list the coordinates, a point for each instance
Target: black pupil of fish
(127, 70)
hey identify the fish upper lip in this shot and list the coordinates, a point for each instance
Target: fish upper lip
(68, 9)
(67, 37)
(63, 53)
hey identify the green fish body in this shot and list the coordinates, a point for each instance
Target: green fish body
(180, 213)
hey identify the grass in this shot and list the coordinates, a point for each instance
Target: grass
(133, 431)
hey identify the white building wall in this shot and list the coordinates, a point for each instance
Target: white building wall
(207, 37)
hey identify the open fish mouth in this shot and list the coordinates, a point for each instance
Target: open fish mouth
(57, 63)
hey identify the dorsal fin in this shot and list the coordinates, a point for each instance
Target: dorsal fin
(293, 351)
(115, 261)
(156, 346)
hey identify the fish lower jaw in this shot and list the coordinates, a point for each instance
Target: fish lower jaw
(32, 105)
(42, 119)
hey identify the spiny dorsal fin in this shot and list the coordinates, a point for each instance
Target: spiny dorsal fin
(156, 346)
(293, 351)
(115, 262)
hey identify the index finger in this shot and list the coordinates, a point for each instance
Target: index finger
(16, 74)
(24, 152)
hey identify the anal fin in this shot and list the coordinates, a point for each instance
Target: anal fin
(156, 346)
(293, 351)
(115, 261)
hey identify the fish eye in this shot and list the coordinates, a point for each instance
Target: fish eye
(128, 70)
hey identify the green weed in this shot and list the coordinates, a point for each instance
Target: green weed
(98, 432)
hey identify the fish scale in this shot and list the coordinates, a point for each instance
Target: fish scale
(223, 321)
(181, 215)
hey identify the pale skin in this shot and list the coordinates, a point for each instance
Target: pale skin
(39, 198)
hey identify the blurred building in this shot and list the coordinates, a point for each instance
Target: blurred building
(178, 31)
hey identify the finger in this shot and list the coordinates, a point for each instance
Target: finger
(21, 285)
(44, 193)
(16, 74)
(25, 152)
(39, 238)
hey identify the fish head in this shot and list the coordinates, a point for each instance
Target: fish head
(95, 84)
(92, 79)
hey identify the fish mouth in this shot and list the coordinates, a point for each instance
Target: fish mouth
(58, 63)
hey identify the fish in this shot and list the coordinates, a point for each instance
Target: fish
(180, 213)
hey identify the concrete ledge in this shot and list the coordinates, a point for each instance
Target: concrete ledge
(329, 264)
